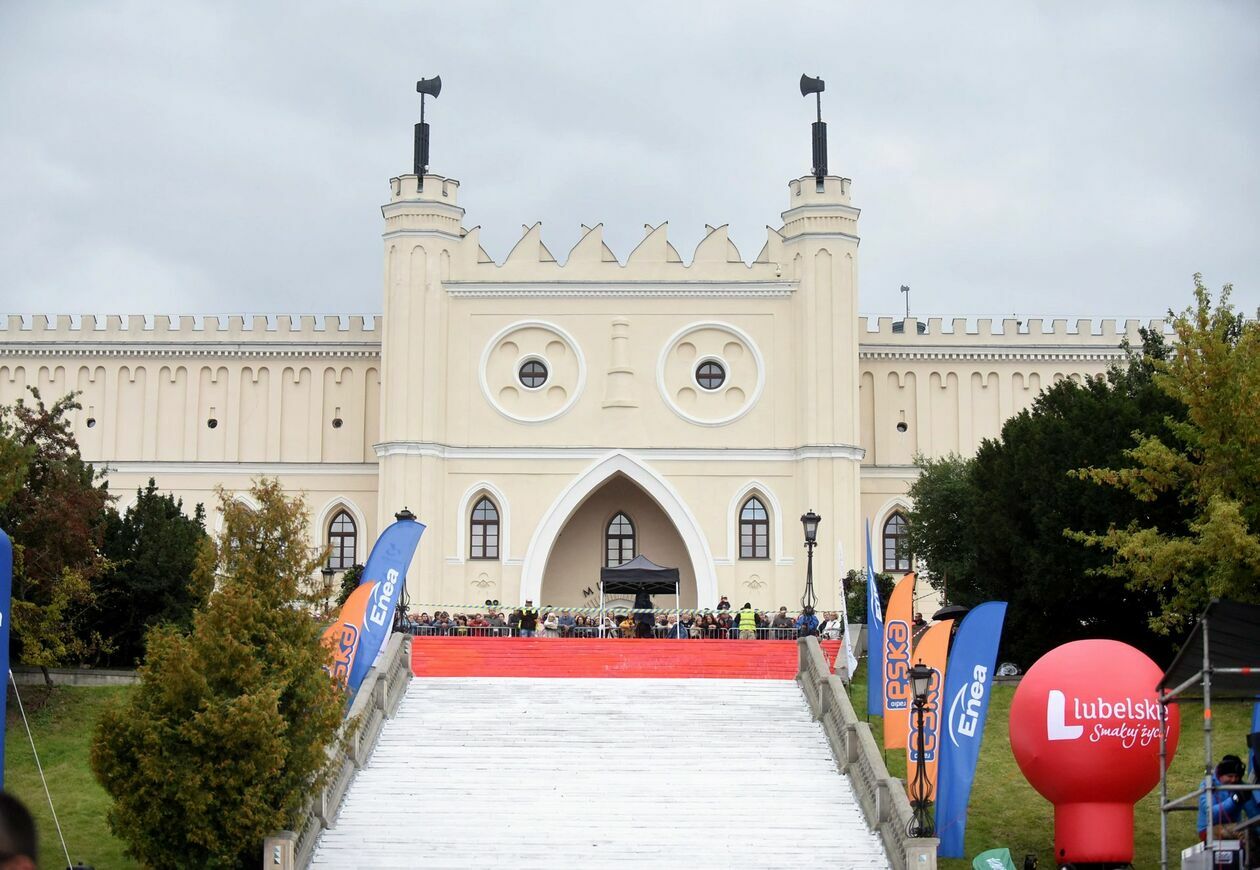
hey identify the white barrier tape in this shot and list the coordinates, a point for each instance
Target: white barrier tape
(547, 608)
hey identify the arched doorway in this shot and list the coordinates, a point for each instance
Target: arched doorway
(615, 523)
(697, 563)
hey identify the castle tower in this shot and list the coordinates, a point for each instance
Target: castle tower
(422, 232)
(820, 248)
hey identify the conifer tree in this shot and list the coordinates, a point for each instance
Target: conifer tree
(224, 738)
(153, 550)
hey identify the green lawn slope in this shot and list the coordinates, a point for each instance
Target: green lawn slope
(62, 721)
(1006, 811)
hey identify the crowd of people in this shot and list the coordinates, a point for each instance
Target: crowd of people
(721, 622)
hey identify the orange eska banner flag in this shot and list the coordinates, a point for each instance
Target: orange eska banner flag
(342, 637)
(896, 661)
(932, 650)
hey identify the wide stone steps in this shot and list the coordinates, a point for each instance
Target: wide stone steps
(600, 773)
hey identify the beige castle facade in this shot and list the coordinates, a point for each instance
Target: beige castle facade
(547, 418)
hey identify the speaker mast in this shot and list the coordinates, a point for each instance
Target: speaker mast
(815, 86)
(425, 88)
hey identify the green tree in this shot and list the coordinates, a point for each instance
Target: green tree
(1209, 460)
(349, 583)
(997, 522)
(153, 550)
(15, 459)
(55, 512)
(939, 528)
(855, 594)
(225, 736)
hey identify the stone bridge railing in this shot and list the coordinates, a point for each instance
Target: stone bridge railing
(377, 700)
(883, 798)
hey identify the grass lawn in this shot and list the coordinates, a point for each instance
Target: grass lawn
(62, 726)
(1006, 811)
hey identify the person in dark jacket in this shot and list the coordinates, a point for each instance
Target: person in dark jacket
(643, 622)
(529, 619)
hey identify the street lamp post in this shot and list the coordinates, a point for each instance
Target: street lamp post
(921, 824)
(328, 571)
(810, 521)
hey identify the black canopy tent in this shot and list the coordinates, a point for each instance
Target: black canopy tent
(1219, 661)
(640, 574)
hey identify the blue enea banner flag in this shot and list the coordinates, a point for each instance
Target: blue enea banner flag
(387, 568)
(6, 588)
(968, 687)
(1254, 741)
(874, 637)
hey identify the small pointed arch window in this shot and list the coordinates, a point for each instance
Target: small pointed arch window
(619, 545)
(897, 555)
(485, 530)
(754, 530)
(343, 539)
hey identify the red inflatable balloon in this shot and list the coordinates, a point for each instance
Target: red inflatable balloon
(1085, 732)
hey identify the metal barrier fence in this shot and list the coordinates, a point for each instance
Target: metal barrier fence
(581, 632)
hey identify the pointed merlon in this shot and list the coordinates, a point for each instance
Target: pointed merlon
(591, 247)
(655, 248)
(772, 250)
(473, 238)
(716, 247)
(530, 248)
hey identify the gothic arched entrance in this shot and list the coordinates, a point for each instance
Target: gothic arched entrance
(569, 545)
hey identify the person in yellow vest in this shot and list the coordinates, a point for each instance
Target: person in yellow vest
(747, 621)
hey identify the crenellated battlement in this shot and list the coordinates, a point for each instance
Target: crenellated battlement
(209, 328)
(970, 331)
(716, 258)
(431, 211)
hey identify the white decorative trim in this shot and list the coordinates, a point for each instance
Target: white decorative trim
(990, 352)
(440, 234)
(891, 471)
(325, 516)
(826, 208)
(211, 348)
(525, 324)
(847, 452)
(726, 327)
(665, 496)
(404, 207)
(709, 358)
(776, 522)
(240, 498)
(896, 503)
(605, 289)
(461, 523)
(845, 237)
(253, 469)
(538, 358)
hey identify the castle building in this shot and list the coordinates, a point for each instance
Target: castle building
(546, 418)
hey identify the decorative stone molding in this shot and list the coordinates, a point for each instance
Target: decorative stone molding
(703, 341)
(848, 452)
(526, 341)
(619, 389)
(599, 289)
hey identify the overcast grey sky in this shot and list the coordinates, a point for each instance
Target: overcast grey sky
(1009, 158)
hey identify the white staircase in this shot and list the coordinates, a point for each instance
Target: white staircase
(600, 773)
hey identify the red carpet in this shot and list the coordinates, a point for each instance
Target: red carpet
(554, 657)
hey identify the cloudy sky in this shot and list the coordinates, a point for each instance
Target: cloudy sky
(1009, 158)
